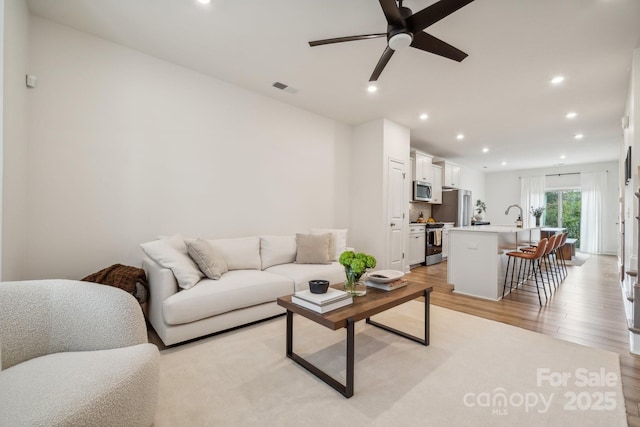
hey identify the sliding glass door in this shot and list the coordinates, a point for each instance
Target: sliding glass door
(562, 209)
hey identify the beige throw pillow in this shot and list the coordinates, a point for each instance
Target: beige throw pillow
(210, 261)
(313, 248)
(338, 240)
(171, 252)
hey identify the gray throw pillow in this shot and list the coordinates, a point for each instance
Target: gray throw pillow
(313, 248)
(209, 260)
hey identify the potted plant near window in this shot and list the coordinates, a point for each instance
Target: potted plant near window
(537, 212)
(481, 208)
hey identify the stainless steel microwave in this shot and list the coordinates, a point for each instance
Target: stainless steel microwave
(421, 191)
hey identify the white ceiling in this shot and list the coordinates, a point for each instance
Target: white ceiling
(499, 97)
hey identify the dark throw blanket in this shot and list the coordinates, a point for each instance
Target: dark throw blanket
(132, 280)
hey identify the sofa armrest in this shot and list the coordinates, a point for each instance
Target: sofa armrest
(162, 284)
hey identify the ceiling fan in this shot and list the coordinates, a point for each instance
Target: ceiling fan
(406, 29)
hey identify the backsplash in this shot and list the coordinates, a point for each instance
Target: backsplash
(416, 207)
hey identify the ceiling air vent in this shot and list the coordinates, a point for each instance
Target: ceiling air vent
(285, 87)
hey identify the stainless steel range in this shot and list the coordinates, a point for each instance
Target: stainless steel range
(434, 243)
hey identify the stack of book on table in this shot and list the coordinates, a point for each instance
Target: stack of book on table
(322, 303)
(389, 286)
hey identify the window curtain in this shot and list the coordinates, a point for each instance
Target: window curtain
(532, 190)
(593, 186)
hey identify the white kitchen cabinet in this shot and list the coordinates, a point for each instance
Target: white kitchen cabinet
(417, 244)
(421, 164)
(451, 174)
(436, 185)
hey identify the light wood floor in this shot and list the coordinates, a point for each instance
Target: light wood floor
(587, 309)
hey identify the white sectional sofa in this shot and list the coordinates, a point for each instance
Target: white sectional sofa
(246, 276)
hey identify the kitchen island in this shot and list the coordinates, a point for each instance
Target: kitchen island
(477, 259)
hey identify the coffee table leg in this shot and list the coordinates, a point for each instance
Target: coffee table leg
(425, 341)
(427, 304)
(350, 356)
(289, 332)
(345, 390)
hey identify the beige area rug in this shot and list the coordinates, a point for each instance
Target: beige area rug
(476, 372)
(578, 259)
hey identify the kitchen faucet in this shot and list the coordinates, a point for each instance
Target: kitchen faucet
(519, 220)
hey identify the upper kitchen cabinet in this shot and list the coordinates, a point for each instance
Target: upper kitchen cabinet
(421, 166)
(450, 175)
(436, 185)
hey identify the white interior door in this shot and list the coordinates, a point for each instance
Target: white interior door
(396, 201)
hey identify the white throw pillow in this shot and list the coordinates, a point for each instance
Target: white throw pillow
(313, 248)
(171, 253)
(210, 261)
(276, 250)
(339, 237)
(240, 254)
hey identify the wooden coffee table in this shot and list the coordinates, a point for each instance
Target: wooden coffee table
(374, 302)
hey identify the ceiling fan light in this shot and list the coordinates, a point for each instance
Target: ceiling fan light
(400, 41)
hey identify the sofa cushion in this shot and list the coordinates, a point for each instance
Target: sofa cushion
(338, 240)
(209, 260)
(171, 252)
(313, 249)
(241, 254)
(300, 274)
(276, 250)
(234, 290)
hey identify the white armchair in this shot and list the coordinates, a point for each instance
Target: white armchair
(74, 353)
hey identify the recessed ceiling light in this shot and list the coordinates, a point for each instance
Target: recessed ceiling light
(562, 156)
(557, 80)
(372, 88)
(460, 136)
(485, 150)
(571, 115)
(204, 1)
(503, 163)
(424, 116)
(579, 136)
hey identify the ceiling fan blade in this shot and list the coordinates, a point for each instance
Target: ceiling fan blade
(428, 43)
(346, 39)
(432, 14)
(392, 13)
(386, 56)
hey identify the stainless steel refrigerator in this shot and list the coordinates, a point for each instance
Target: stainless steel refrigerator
(456, 207)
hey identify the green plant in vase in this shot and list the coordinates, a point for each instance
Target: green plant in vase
(537, 212)
(354, 267)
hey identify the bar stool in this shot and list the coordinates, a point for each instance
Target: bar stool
(556, 256)
(563, 264)
(532, 265)
(552, 244)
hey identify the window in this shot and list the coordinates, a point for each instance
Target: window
(562, 209)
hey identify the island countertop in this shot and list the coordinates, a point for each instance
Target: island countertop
(494, 228)
(477, 259)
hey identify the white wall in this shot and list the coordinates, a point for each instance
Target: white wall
(14, 140)
(474, 180)
(125, 147)
(631, 139)
(374, 143)
(503, 189)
